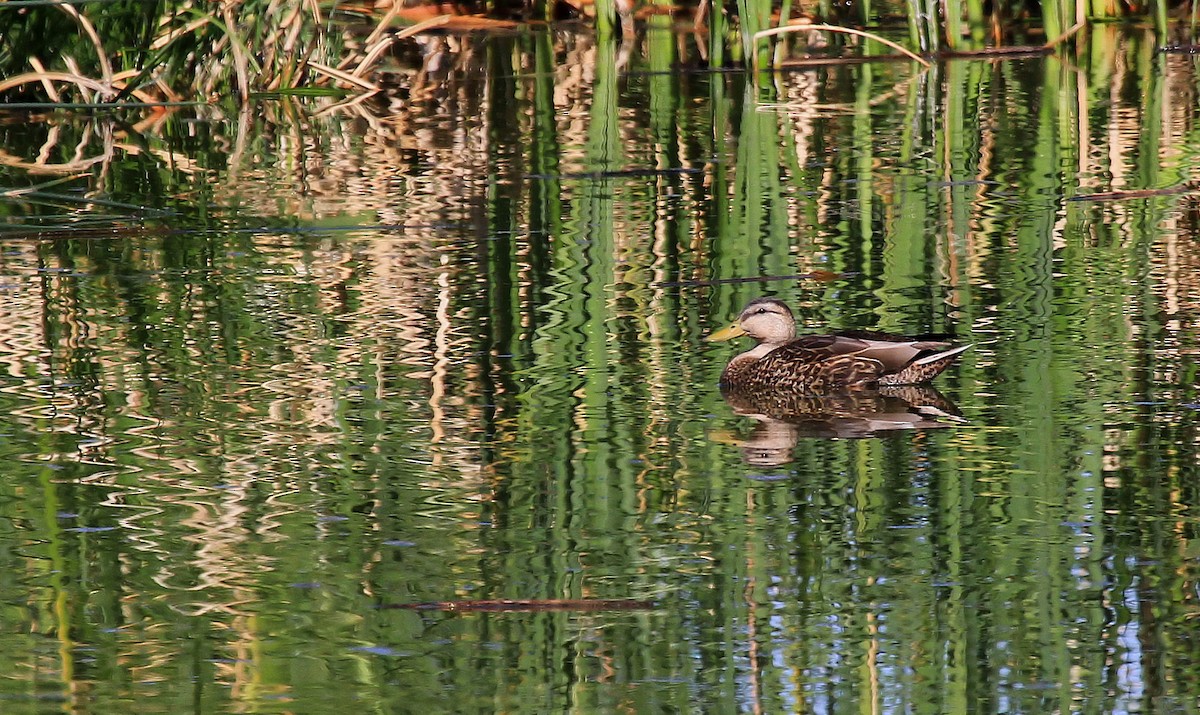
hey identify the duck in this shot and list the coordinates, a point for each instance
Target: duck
(814, 364)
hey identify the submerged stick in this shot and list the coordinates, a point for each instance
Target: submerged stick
(346, 77)
(1070, 31)
(817, 275)
(1184, 188)
(505, 605)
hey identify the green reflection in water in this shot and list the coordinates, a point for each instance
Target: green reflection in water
(471, 369)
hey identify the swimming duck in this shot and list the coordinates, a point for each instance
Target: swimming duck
(822, 363)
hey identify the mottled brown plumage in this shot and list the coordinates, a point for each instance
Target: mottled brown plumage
(824, 363)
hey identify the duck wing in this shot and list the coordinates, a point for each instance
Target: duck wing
(821, 362)
(894, 352)
(861, 357)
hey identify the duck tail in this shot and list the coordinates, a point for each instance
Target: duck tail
(945, 354)
(924, 368)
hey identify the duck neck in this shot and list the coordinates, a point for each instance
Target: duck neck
(742, 362)
(759, 351)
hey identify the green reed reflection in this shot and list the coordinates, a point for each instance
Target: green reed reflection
(470, 368)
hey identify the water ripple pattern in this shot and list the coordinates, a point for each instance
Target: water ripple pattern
(405, 404)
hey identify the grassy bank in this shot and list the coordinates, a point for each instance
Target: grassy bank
(99, 52)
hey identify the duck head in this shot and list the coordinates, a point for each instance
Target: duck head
(767, 320)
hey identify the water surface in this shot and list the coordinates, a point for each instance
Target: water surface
(408, 408)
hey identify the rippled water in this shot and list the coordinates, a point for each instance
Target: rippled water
(408, 408)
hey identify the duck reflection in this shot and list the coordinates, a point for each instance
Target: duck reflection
(785, 418)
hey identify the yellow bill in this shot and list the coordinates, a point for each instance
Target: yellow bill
(727, 333)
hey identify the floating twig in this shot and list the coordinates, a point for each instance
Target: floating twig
(1011, 52)
(1184, 188)
(1061, 38)
(533, 605)
(818, 275)
(42, 77)
(844, 30)
(346, 77)
(619, 173)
